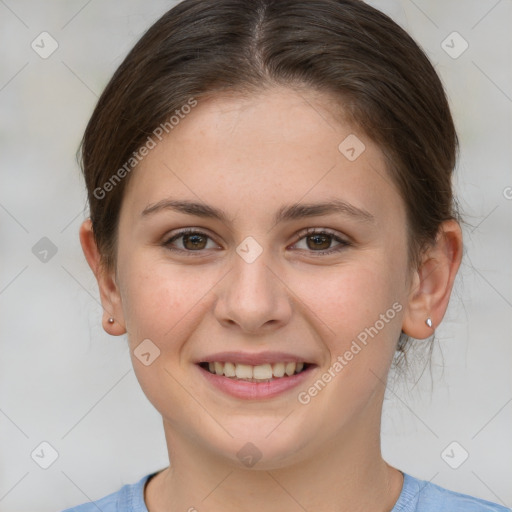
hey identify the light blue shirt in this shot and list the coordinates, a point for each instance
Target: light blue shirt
(416, 496)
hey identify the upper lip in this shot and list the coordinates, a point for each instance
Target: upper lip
(254, 359)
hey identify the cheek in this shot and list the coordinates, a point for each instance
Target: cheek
(161, 303)
(359, 310)
(347, 299)
(160, 300)
(360, 302)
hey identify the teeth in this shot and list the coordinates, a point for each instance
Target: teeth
(243, 371)
(278, 369)
(219, 368)
(290, 368)
(229, 370)
(262, 372)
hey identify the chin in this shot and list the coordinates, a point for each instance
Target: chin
(262, 446)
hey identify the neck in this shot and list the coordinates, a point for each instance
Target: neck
(347, 474)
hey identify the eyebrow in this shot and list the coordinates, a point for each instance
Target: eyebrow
(286, 213)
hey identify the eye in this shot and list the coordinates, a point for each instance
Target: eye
(319, 241)
(316, 241)
(189, 241)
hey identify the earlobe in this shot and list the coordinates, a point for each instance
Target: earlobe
(113, 320)
(111, 326)
(433, 282)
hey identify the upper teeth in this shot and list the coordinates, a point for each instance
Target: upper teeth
(260, 372)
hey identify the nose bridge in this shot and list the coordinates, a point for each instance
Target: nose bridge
(252, 297)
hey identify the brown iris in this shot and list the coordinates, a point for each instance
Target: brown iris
(320, 241)
(194, 241)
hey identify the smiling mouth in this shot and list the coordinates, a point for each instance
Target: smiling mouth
(260, 373)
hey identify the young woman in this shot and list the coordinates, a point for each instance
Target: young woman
(271, 219)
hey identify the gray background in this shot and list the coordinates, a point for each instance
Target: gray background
(64, 381)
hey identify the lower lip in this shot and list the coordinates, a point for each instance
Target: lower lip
(255, 390)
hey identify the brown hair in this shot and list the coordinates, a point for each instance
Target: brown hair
(358, 55)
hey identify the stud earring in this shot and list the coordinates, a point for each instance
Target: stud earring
(110, 320)
(428, 321)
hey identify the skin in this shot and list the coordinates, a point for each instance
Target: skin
(250, 156)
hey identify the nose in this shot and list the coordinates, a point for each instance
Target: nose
(252, 298)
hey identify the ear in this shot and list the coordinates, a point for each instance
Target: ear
(432, 282)
(109, 291)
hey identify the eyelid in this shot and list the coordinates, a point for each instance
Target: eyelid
(168, 239)
(342, 242)
(317, 230)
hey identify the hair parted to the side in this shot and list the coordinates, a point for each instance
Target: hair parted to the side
(370, 66)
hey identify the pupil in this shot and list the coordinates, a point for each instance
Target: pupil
(319, 241)
(194, 242)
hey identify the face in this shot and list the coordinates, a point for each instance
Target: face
(251, 237)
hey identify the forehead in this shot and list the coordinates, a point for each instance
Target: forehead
(259, 151)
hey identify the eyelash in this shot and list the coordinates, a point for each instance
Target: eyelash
(342, 244)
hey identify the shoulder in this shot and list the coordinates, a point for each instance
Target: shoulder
(422, 496)
(107, 504)
(130, 498)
